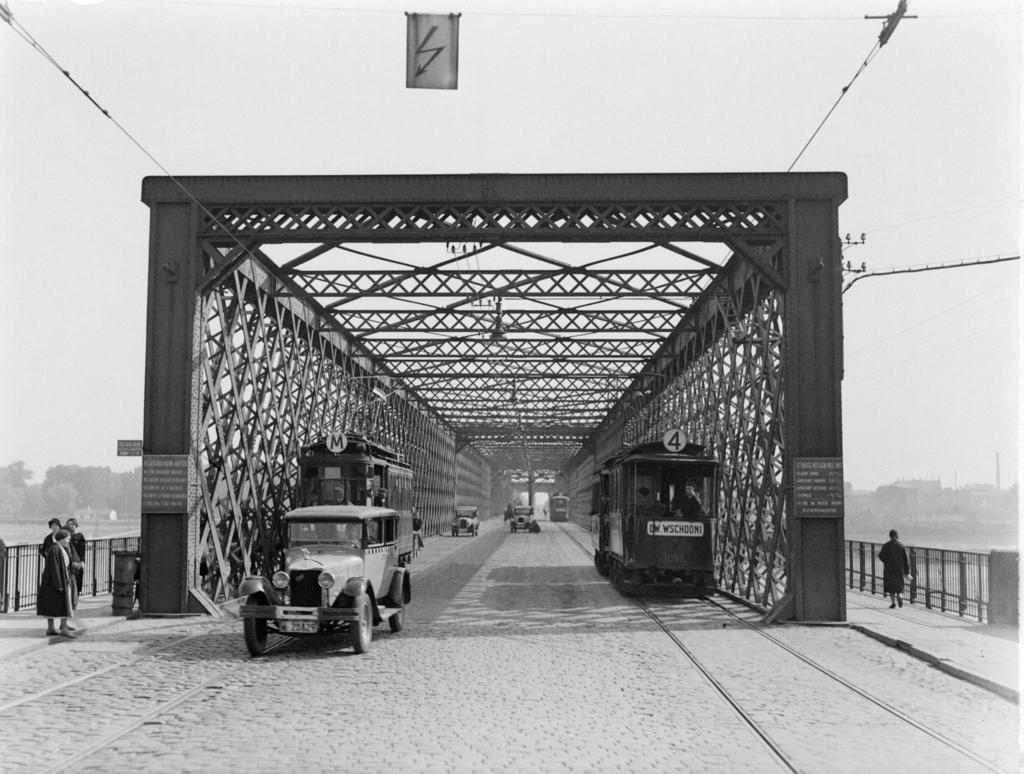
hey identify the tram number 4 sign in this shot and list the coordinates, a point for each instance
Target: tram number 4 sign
(674, 439)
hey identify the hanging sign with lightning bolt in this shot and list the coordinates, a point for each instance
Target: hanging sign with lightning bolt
(432, 51)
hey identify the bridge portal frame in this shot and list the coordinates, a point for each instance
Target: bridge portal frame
(798, 212)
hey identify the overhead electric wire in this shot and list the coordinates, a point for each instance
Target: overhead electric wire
(24, 34)
(932, 267)
(943, 214)
(846, 88)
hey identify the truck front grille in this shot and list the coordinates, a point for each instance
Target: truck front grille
(305, 591)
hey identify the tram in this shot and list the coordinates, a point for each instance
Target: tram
(559, 507)
(654, 516)
(351, 469)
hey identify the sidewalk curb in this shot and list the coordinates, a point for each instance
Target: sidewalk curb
(940, 664)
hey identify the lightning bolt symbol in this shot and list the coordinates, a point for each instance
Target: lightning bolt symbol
(421, 50)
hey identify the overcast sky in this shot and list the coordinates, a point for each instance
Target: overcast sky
(928, 135)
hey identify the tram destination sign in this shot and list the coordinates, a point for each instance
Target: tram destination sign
(818, 487)
(165, 483)
(675, 528)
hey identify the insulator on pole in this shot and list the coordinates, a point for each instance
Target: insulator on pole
(891, 21)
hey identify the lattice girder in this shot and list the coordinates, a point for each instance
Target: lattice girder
(601, 349)
(467, 321)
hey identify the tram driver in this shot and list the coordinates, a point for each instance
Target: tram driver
(689, 505)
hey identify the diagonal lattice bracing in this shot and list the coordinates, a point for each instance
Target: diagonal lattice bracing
(545, 222)
(467, 321)
(565, 282)
(269, 383)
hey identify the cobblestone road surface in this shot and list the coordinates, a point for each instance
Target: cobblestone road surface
(516, 657)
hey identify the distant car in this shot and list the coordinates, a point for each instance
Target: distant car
(466, 521)
(522, 518)
(341, 573)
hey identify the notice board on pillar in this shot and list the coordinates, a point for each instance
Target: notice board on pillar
(165, 483)
(818, 487)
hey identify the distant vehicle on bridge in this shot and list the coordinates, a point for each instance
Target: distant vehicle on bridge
(559, 508)
(654, 520)
(351, 469)
(341, 573)
(522, 519)
(466, 521)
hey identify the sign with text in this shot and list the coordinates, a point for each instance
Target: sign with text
(818, 487)
(129, 448)
(432, 51)
(675, 528)
(165, 483)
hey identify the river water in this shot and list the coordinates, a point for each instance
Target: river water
(30, 529)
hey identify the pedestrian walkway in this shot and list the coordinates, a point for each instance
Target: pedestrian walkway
(987, 655)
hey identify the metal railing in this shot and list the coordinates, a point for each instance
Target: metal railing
(949, 581)
(22, 567)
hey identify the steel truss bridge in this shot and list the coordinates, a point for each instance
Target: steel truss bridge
(496, 329)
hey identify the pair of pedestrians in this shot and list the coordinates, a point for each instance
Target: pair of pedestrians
(60, 583)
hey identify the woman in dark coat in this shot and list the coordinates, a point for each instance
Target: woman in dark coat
(897, 566)
(77, 540)
(57, 593)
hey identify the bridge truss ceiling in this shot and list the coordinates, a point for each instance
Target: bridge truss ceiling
(564, 316)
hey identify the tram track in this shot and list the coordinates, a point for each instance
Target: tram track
(93, 681)
(152, 715)
(777, 749)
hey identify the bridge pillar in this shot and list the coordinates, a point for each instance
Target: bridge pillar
(813, 363)
(171, 324)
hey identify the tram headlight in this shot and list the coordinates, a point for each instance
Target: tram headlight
(326, 580)
(280, 579)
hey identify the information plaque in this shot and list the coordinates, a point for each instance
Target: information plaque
(818, 487)
(165, 483)
(129, 448)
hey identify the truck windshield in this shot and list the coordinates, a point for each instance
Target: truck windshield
(331, 532)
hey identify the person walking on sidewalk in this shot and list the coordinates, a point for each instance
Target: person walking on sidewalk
(897, 567)
(417, 531)
(57, 594)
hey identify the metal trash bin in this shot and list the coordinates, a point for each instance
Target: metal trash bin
(126, 576)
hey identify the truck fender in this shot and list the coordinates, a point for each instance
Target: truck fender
(255, 584)
(398, 591)
(354, 587)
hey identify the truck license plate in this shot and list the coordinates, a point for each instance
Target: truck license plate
(299, 627)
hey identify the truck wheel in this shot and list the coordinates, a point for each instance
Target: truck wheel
(361, 630)
(255, 635)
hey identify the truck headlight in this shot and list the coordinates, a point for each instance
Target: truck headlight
(280, 579)
(326, 580)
